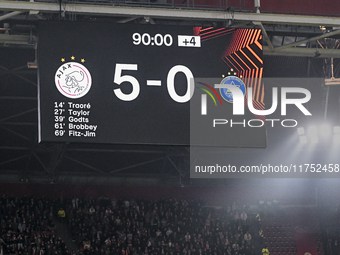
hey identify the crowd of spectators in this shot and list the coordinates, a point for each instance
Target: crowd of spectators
(124, 227)
(329, 239)
(164, 227)
(26, 227)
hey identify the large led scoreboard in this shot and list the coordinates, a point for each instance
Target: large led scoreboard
(143, 84)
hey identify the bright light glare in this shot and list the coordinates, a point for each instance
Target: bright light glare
(301, 131)
(314, 139)
(303, 139)
(312, 131)
(325, 130)
(336, 138)
(336, 130)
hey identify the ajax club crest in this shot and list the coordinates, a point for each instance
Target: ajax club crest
(72, 79)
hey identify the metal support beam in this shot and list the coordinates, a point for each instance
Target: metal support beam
(84, 164)
(19, 114)
(57, 153)
(18, 39)
(41, 163)
(17, 70)
(184, 14)
(25, 79)
(10, 15)
(302, 52)
(126, 20)
(13, 159)
(18, 123)
(17, 98)
(160, 151)
(308, 40)
(265, 35)
(16, 133)
(176, 167)
(14, 148)
(135, 165)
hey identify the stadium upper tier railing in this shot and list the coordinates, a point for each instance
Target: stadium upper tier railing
(235, 5)
(303, 7)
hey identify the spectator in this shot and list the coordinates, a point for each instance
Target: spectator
(244, 217)
(61, 214)
(92, 210)
(265, 251)
(261, 236)
(247, 238)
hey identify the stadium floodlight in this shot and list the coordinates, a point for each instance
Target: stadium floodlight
(314, 139)
(303, 139)
(336, 138)
(312, 132)
(325, 130)
(301, 131)
(336, 130)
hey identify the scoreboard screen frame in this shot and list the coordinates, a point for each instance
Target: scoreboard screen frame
(134, 84)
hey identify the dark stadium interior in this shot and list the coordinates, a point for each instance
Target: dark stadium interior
(88, 198)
